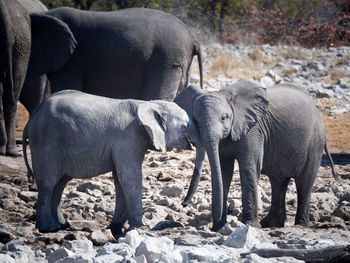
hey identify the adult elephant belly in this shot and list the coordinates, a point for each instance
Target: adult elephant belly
(121, 56)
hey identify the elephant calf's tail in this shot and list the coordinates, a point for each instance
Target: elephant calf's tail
(30, 173)
(334, 173)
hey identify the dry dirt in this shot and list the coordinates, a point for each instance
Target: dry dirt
(166, 170)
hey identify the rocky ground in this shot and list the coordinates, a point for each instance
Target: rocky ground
(173, 233)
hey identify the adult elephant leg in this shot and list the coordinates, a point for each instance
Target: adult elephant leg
(277, 214)
(11, 95)
(56, 200)
(227, 165)
(120, 211)
(3, 135)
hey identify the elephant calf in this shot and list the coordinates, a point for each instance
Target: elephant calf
(275, 131)
(77, 135)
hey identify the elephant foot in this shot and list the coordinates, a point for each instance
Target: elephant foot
(12, 151)
(49, 227)
(64, 225)
(116, 229)
(301, 223)
(218, 225)
(270, 221)
(3, 150)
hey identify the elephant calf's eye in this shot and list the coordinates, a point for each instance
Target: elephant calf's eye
(184, 126)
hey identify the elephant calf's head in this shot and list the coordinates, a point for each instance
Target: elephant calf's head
(167, 124)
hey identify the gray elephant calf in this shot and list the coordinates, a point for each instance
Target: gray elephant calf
(275, 131)
(76, 135)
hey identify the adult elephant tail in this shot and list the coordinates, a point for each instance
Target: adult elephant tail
(197, 52)
(30, 173)
(334, 173)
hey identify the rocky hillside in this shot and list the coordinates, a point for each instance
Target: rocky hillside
(173, 233)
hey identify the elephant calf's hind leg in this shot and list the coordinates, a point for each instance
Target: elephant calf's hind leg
(277, 214)
(56, 200)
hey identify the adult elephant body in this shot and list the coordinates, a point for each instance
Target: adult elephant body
(275, 131)
(133, 53)
(15, 42)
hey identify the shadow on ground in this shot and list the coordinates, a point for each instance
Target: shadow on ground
(338, 159)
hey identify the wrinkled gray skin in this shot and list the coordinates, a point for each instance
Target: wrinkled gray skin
(15, 42)
(133, 53)
(276, 131)
(36, 88)
(77, 135)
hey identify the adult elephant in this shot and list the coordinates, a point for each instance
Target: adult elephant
(15, 41)
(35, 88)
(132, 53)
(276, 131)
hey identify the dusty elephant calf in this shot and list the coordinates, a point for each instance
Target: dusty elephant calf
(77, 135)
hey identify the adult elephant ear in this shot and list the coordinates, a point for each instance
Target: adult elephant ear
(148, 115)
(53, 44)
(249, 102)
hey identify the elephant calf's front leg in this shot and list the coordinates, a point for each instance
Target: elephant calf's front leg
(249, 184)
(120, 211)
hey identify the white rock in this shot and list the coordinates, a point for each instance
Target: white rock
(209, 253)
(153, 248)
(266, 81)
(77, 259)
(80, 246)
(140, 259)
(4, 258)
(122, 249)
(274, 76)
(245, 237)
(132, 238)
(172, 257)
(108, 258)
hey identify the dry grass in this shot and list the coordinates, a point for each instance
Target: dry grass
(333, 75)
(251, 66)
(291, 52)
(256, 55)
(288, 71)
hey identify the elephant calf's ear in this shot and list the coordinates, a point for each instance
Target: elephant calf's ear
(148, 115)
(249, 102)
